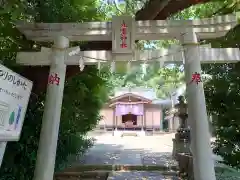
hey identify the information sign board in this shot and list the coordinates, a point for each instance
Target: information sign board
(14, 96)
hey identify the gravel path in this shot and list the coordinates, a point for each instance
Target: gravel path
(148, 150)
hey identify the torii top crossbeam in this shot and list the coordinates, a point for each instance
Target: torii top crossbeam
(144, 30)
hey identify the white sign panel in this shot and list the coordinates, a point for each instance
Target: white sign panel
(14, 95)
(123, 34)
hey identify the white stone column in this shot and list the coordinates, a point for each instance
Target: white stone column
(2, 151)
(170, 124)
(52, 111)
(114, 117)
(142, 128)
(161, 119)
(200, 136)
(116, 123)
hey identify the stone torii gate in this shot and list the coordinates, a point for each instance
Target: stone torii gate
(123, 31)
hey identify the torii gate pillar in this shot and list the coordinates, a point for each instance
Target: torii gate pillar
(203, 162)
(52, 111)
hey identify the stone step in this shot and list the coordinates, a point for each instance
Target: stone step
(141, 175)
(116, 175)
(131, 158)
(88, 175)
(119, 167)
(129, 134)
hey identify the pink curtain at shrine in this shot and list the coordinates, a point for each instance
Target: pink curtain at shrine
(122, 109)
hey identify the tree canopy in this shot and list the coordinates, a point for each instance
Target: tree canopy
(91, 88)
(84, 93)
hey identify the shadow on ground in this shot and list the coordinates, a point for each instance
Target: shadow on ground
(129, 158)
(112, 154)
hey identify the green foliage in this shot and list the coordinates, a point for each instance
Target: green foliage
(81, 104)
(167, 80)
(164, 80)
(89, 88)
(64, 11)
(128, 7)
(224, 86)
(199, 11)
(83, 96)
(80, 112)
(19, 158)
(223, 101)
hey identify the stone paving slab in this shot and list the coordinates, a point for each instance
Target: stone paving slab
(128, 158)
(109, 150)
(164, 159)
(138, 175)
(98, 158)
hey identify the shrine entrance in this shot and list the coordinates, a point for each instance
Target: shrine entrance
(123, 32)
(130, 121)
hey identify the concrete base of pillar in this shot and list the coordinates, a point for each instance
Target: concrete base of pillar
(186, 166)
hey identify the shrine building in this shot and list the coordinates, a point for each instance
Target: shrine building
(133, 109)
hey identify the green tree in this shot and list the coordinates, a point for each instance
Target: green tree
(224, 84)
(167, 80)
(223, 101)
(164, 80)
(83, 96)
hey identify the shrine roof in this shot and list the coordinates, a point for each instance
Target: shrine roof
(141, 92)
(146, 93)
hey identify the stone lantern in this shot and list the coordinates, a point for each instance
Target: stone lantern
(181, 142)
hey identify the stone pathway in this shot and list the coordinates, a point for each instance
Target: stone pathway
(136, 151)
(149, 150)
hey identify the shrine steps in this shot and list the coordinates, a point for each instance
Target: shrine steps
(117, 172)
(129, 133)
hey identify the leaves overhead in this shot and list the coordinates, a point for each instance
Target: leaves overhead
(84, 91)
(83, 96)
